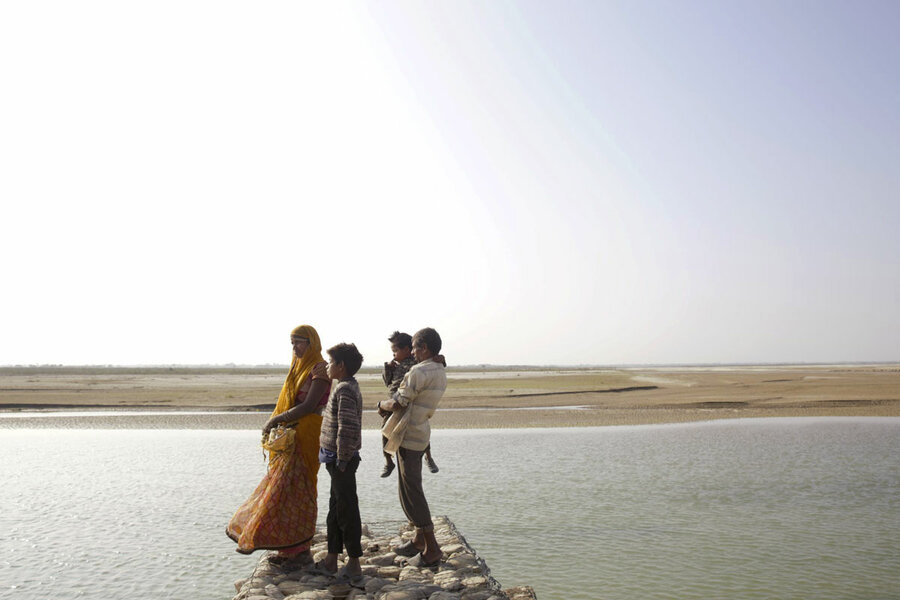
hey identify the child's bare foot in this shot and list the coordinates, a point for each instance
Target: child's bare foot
(432, 466)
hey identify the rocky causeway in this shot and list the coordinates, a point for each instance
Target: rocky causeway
(461, 574)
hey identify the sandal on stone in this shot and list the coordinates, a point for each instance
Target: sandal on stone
(278, 557)
(356, 580)
(319, 569)
(419, 561)
(287, 560)
(408, 549)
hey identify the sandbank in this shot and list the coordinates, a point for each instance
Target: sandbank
(242, 397)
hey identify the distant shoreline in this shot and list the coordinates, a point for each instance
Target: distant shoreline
(481, 398)
(229, 367)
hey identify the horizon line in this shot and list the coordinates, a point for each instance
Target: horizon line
(460, 366)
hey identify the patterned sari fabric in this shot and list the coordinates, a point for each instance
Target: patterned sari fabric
(281, 512)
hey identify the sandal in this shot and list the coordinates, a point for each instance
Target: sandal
(357, 580)
(319, 569)
(419, 561)
(408, 549)
(289, 560)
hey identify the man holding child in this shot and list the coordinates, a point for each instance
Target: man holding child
(409, 433)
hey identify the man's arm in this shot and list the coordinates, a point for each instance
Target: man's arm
(388, 405)
(405, 394)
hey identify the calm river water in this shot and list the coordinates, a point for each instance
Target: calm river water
(746, 509)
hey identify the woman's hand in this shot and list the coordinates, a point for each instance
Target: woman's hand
(271, 424)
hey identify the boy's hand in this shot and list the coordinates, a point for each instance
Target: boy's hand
(439, 359)
(342, 465)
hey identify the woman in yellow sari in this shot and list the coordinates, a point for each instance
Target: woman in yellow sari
(281, 512)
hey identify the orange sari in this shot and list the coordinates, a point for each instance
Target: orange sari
(281, 512)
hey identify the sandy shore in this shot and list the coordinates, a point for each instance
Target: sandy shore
(240, 398)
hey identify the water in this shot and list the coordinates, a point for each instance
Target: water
(770, 508)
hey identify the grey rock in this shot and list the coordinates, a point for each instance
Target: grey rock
(452, 549)
(406, 590)
(297, 575)
(289, 588)
(397, 595)
(448, 580)
(416, 574)
(462, 575)
(312, 595)
(265, 569)
(463, 560)
(382, 560)
(476, 595)
(339, 590)
(475, 582)
(372, 547)
(375, 584)
(356, 594)
(392, 572)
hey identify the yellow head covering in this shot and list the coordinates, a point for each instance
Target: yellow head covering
(300, 368)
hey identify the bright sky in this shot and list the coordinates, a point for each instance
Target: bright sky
(542, 182)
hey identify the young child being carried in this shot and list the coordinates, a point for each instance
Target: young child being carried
(392, 374)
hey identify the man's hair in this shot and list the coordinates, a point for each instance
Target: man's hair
(430, 338)
(347, 354)
(402, 340)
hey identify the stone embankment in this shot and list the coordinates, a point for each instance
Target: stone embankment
(461, 575)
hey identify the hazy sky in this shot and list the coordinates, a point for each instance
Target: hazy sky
(543, 182)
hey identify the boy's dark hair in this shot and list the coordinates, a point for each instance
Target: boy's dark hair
(347, 354)
(430, 338)
(402, 340)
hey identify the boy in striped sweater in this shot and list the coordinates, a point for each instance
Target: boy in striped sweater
(339, 445)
